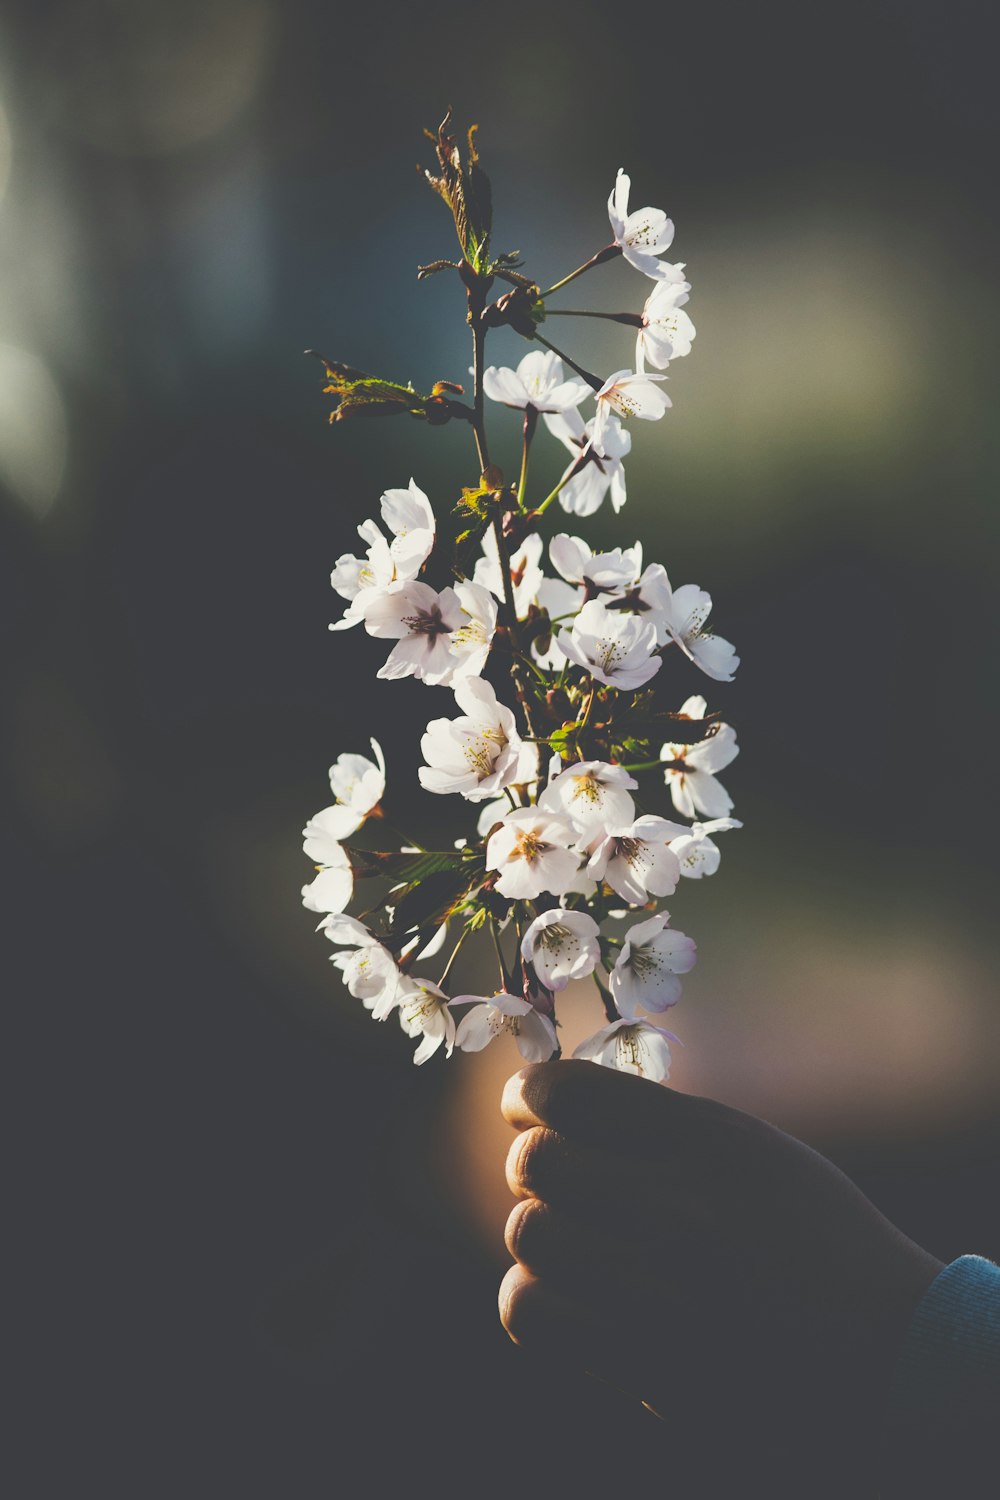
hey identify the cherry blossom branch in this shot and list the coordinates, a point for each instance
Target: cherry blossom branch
(479, 416)
(560, 842)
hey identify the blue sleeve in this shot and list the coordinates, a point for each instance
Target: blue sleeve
(944, 1409)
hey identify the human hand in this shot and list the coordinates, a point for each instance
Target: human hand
(730, 1277)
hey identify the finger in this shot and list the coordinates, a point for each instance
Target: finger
(603, 1107)
(562, 1329)
(628, 1198)
(571, 1254)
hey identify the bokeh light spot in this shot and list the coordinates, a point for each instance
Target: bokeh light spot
(33, 430)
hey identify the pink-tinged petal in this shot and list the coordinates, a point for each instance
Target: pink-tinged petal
(680, 793)
(330, 891)
(427, 1048)
(617, 490)
(618, 204)
(505, 386)
(716, 752)
(649, 230)
(568, 427)
(569, 556)
(716, 657)
(667, 993)
(698, 857)
(474, 1030)
(324, 832)
(564, 397)
(536, 1040)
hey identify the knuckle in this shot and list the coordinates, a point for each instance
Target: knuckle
(514, 1302)
(527, 1158)
(525, 1227)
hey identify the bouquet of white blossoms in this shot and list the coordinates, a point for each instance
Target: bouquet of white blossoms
(554, 695)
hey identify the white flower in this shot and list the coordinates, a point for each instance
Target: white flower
(584, 493)
(525, 570)
(614, 647)
(698, 853)
(690, 770)
(358, 785)
(685, 611)
(534, 1033)
(409, 516)
(643, 235)
(533, 852)
(625, 395)
(471, 640)
(637, 861)
(558, 599)
(368, 968)
(538, 381)
(491, 813)
(561, 945)
(423, 1012)
(333, 886)
(593, 795)
(667, 330)
(361, 578)
(647, 967)
(599, 572)
(477, 754)
(438, 637)
(632, 1047)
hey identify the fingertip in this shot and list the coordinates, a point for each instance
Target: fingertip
(511, 1288)
(600, 1105)
(523, 1093)
(527, 1208)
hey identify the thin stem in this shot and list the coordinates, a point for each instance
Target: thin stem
(504, 981)
(515, 636)
(530, 423)
(574, 468)
(645, 765)
(591, 380)
(527, 662)
(595, 260)
(633, 320)
(508, 584)
(607, 999)
(454, 954)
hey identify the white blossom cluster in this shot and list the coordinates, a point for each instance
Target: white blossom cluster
(567, 859)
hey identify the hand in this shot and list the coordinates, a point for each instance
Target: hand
(730, 1277)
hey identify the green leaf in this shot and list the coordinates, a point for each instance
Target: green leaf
(467, 548)
(400, 866)
(561, 739)
(465, 188)
(361, 395)
(430, 900)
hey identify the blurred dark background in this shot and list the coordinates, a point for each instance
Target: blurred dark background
(258, 1249)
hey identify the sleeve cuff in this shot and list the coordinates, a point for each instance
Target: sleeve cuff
(945, 1399)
